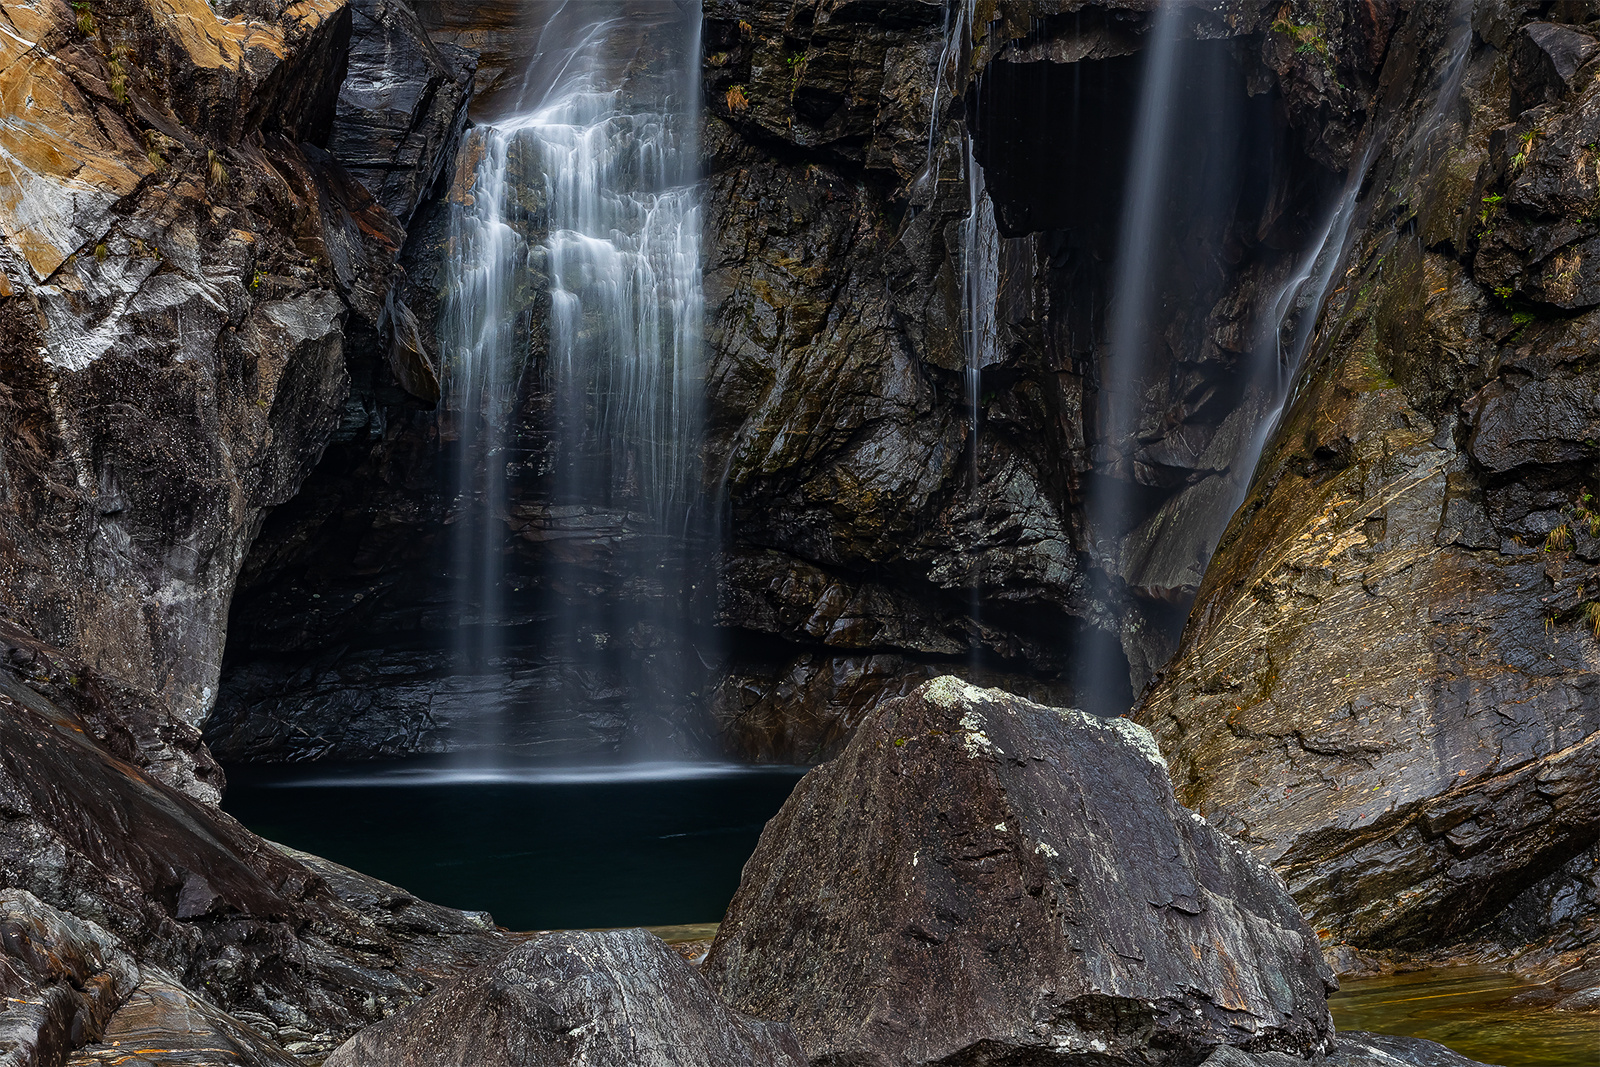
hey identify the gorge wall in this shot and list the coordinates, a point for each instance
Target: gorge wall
(219, 393)
(885, 521)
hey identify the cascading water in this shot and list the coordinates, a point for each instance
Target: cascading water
(1169, 187)
(584, 190)
(1290, 322)
(1126, 359)
(978, 266)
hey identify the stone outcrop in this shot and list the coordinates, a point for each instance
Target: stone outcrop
(1387, 687)
(617, 999)
(402, 105)
(957, 886)
(179, 267)
(166, 887)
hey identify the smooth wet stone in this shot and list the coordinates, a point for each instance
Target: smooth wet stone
(615, 999)
(978, 877)
(61, 978)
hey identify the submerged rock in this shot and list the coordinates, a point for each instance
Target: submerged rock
(1353, 1048)
(615, 999)
(978, 875)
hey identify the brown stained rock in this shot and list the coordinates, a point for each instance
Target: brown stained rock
(1387, 684)
(615, 999)
(978, 878)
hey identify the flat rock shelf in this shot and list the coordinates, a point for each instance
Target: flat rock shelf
(537, 847)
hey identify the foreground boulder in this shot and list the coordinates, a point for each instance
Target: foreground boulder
(982, 877)
(617, 999)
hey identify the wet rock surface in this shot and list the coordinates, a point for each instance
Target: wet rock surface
(62, 978)
(616, 999)
(955, 886)
(180, 265)
(128, 872)
(1387, 685)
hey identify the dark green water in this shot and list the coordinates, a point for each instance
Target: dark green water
(540, 849)
(1465, 1008)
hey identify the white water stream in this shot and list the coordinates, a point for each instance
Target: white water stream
(584, 190)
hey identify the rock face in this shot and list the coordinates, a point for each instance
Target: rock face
(886, 512)
(1388, 686)
(618, 999)
(402, 105)
(980, 878)
(179, 264)
(166, 885)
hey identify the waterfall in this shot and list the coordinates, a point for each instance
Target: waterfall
(1125, 357)
(585, 193)
(979, 263)
(1291, 319)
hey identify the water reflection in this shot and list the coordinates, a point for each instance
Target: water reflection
(1465, 1008)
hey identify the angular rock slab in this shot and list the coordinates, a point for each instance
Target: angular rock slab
(615, 999)
(978, 878)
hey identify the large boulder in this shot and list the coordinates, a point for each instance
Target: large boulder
(615, 999)
(978, 875)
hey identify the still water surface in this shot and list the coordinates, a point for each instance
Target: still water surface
(1465, 1008)
(539, 848)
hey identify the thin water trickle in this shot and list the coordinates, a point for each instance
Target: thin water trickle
(978, 267)
(1129, 337)
(585, 191)
(1290, 322)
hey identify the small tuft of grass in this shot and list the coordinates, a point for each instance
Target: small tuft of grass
(216, 173)
(736, 99)
(1559, 539)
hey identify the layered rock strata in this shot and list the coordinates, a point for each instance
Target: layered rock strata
(1387, 686)
(956, 887)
